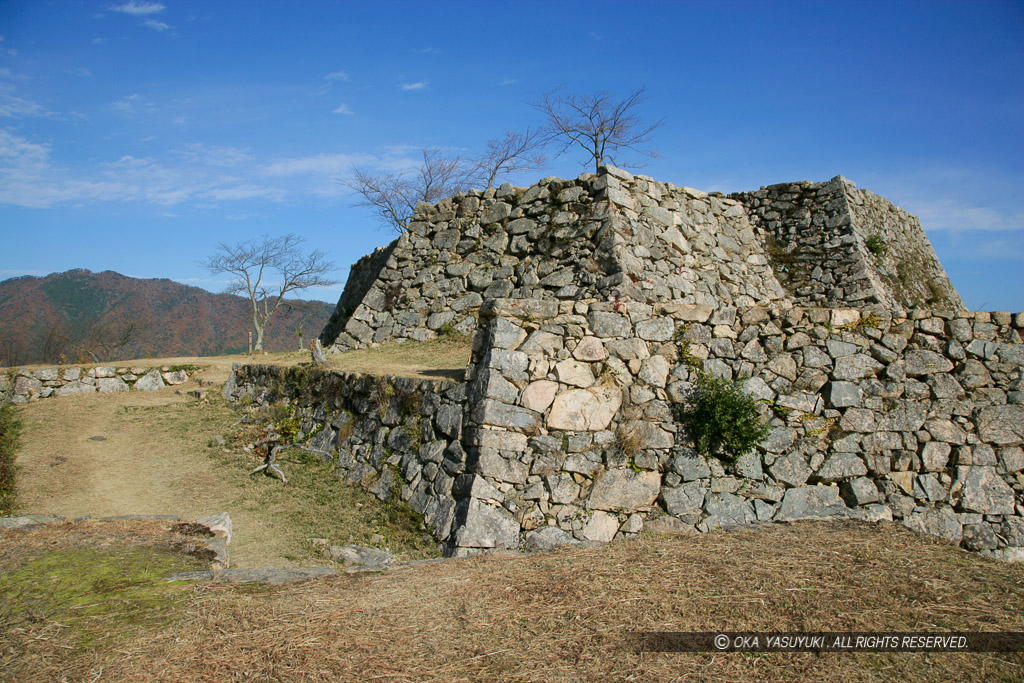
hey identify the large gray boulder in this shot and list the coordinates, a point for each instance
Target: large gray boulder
(622, 488)
(548, 538)
(357, 555)
(152, 381)
(1002, 425)
(111, 385)
(985, 491)
(941, 522)
(685, 499)
(481, 526)
(811, 501)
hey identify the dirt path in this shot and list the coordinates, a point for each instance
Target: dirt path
(136, 453)
(147, 453)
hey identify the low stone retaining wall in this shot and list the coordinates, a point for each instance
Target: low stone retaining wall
(396, 437)
(568, 428)
(22, 386)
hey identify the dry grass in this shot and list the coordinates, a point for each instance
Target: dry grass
(569, 615)
(425, 360)
(564, 616)
(440, 358)
(154, 457)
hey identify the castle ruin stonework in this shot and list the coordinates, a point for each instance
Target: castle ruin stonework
(596, 303)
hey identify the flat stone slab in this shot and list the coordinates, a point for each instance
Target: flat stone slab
(28, 521)
(273, 576)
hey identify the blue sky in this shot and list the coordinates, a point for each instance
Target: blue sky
(137, 134)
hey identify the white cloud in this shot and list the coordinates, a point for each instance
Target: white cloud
(428, 51)
(27, 178)
(130, 105)
(508, 81)
(246, 192)
(337, 76)
(957, 216)
(200, 176)
(156, 25)
(13, 105)
(418, 85)
(343, 109)
(215, 155)
(98, 41)
(82, 72)
(321, 164)
(138, 8)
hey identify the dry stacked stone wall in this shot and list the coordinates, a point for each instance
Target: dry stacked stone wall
(607, 235)
(568, 427)
(23, 385)
(599, 303)
(831, 244)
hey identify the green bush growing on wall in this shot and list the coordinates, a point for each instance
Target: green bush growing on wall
(723, 419)
(876, 244)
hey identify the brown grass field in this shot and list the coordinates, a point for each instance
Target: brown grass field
(87, 601)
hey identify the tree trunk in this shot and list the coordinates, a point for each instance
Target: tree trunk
(259, 339)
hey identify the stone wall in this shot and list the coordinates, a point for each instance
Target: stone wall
(397, 437)
(361, 277)
(23, 385)
(904, 259)
(607, 235)
(617, 236)
(568, 427)
(916, 417)
(831, 244)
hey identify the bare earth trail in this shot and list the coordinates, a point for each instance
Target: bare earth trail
(147, 453)
(105, 455)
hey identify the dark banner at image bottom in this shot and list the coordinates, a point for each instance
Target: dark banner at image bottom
(744, 641)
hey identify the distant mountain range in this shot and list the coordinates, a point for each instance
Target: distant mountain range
(81, 316)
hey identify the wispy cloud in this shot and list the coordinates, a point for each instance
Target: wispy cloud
(138, 8)
(337, 76)
(343, 109)
(221, 156)
(241, 192)
(954, 199)
(508, 81)
(428, 51)
(130, 105)
(418, 85)
(198, 176)
(156, 25)
(28, 177)
(13, 105)
(98, 41)
(959, 216)
(329, 165)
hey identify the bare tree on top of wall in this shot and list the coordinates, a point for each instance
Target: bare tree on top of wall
(512, 153)
(599, 124)
(266, 269)
(394, 196)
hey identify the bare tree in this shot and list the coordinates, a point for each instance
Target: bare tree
(598, 123)
(394, 196)
(512, 153)
(266, 269)
(108, 341)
